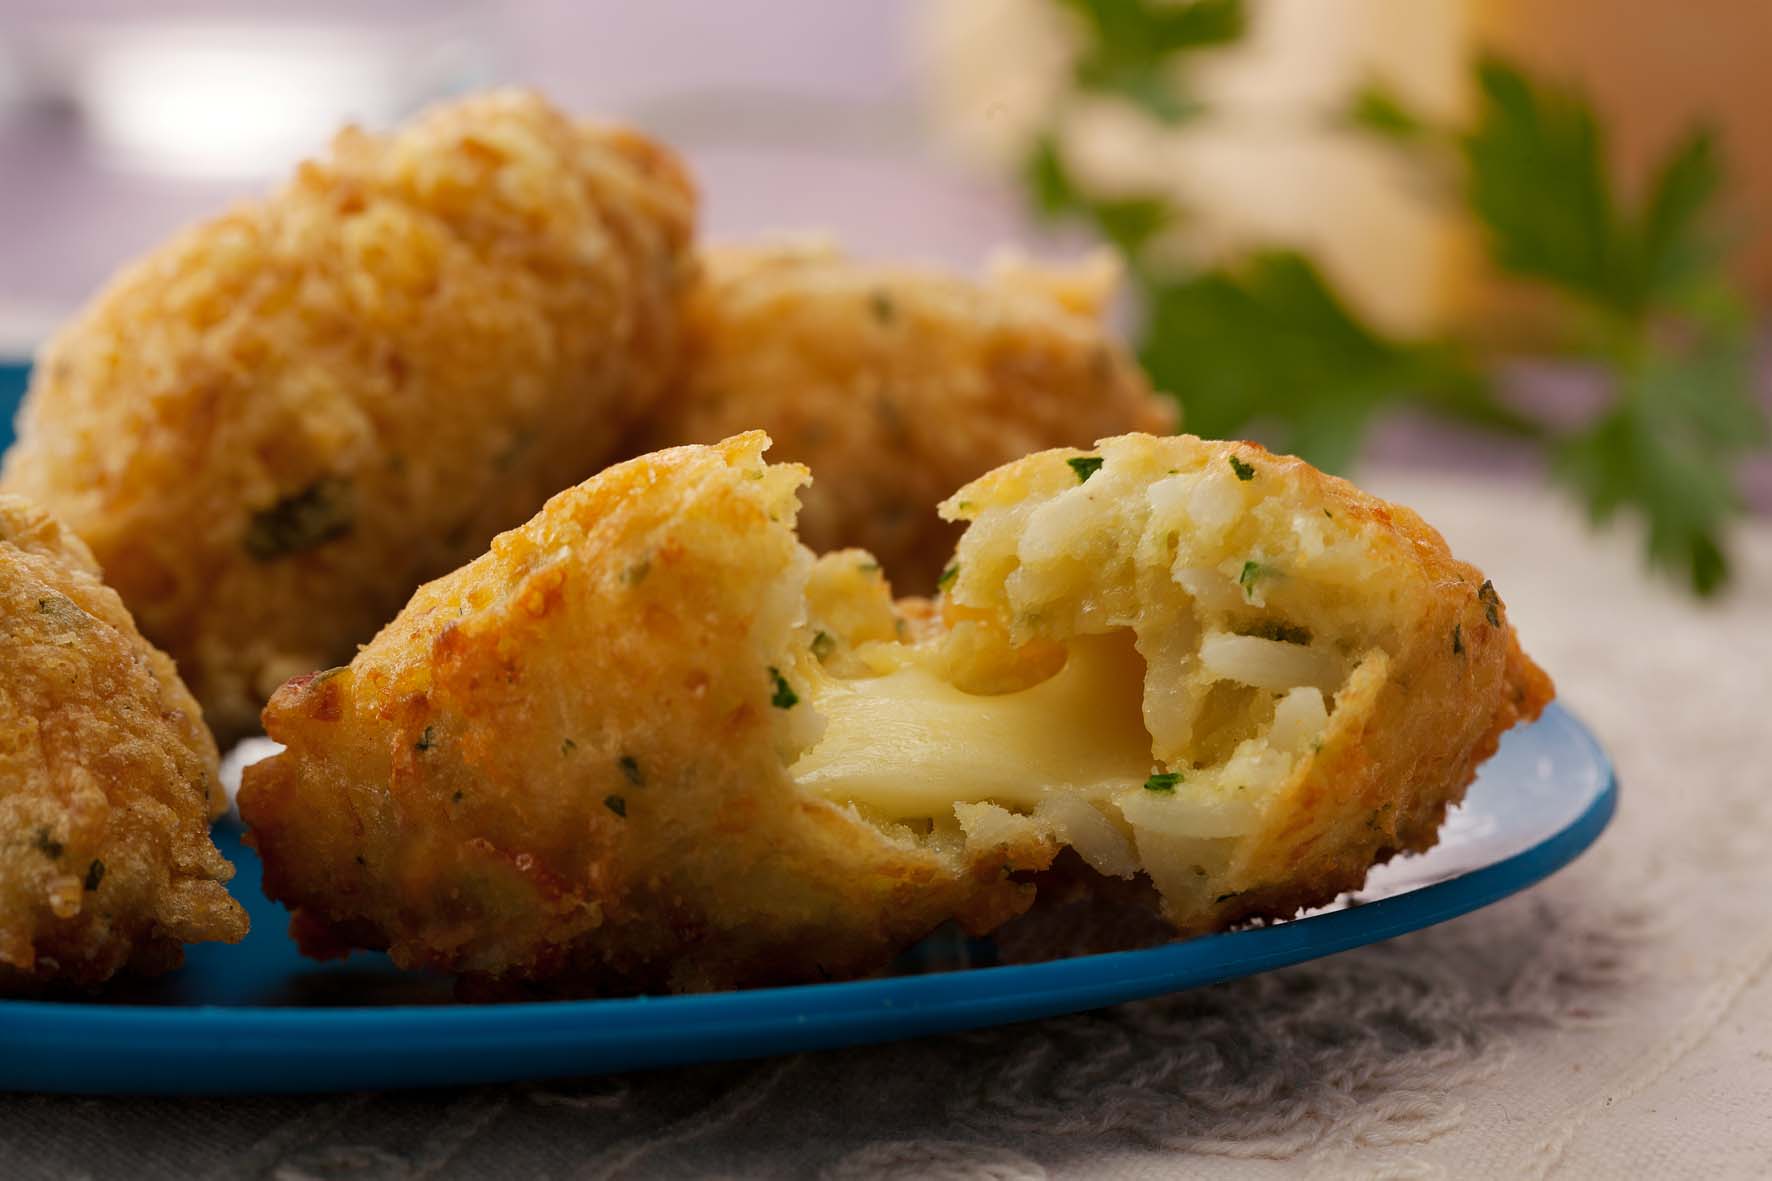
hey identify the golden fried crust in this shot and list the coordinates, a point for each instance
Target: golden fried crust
(564, 762)
(107, 775)
(1407, 737)
(1441, 679)
(276, 425)
(571, 764)
(896, 386)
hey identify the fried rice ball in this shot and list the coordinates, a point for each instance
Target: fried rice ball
(649, 742)
(107, 778)
(898, 385)
(275, 426)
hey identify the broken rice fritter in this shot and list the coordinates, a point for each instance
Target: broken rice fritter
(107, 778)
(897, 385)
(648, 742)
(276, 425)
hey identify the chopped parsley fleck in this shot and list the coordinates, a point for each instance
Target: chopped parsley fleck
(631, 768)
(869, 567)
(1085, 466)
(636, 574)
(47, 845)
(426, 740)
(1329, 514)
(360, 860)
(95, 873)
(1458, 639)
(883, 308)
(567, 746)
(617, 805)
(947, 577)
(823, 645)
(1491, 603)
(1245, 471)
(1163, 781)
(1223, 898)
(456, 798)
(1251, 574)
(784, 696)
(964, 506)
(318, 513)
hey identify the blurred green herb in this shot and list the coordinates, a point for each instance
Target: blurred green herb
(1647, 299)
(1133, 48)
(1265, 344)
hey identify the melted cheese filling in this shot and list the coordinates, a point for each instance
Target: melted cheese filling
(910, 745)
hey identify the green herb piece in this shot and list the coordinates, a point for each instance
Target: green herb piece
(1163, 781)
(322, 511)
(882, 306)
(47, 845)
(360, 859)
(1250, 575)
(456, 798)
(95, 873)
(1650, 300)
(1458, 639)
(1131, 47)
(567, 746)
(617, 805)
(1376, 109)
(947, 577)
(1265, 341)
(1245, 471)
(630, 767)
(1491, 603)
(426, 740)
(823, 645)
(1085, 466)
(636, 574)
(868, 567)
(784, 696)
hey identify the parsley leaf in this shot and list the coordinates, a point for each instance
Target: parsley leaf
(1267, 343)
(1536, 179)
(1132, 46)
(782, 695)
(1085, 466)
(322, 511)
(1655, 312)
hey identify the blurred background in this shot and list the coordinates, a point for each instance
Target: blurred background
(1525, 239)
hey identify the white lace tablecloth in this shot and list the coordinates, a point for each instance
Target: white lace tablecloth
(1614, 1021)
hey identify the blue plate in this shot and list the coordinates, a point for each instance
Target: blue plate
(257, 1017)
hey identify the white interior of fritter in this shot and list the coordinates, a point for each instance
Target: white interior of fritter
(1204, 631)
